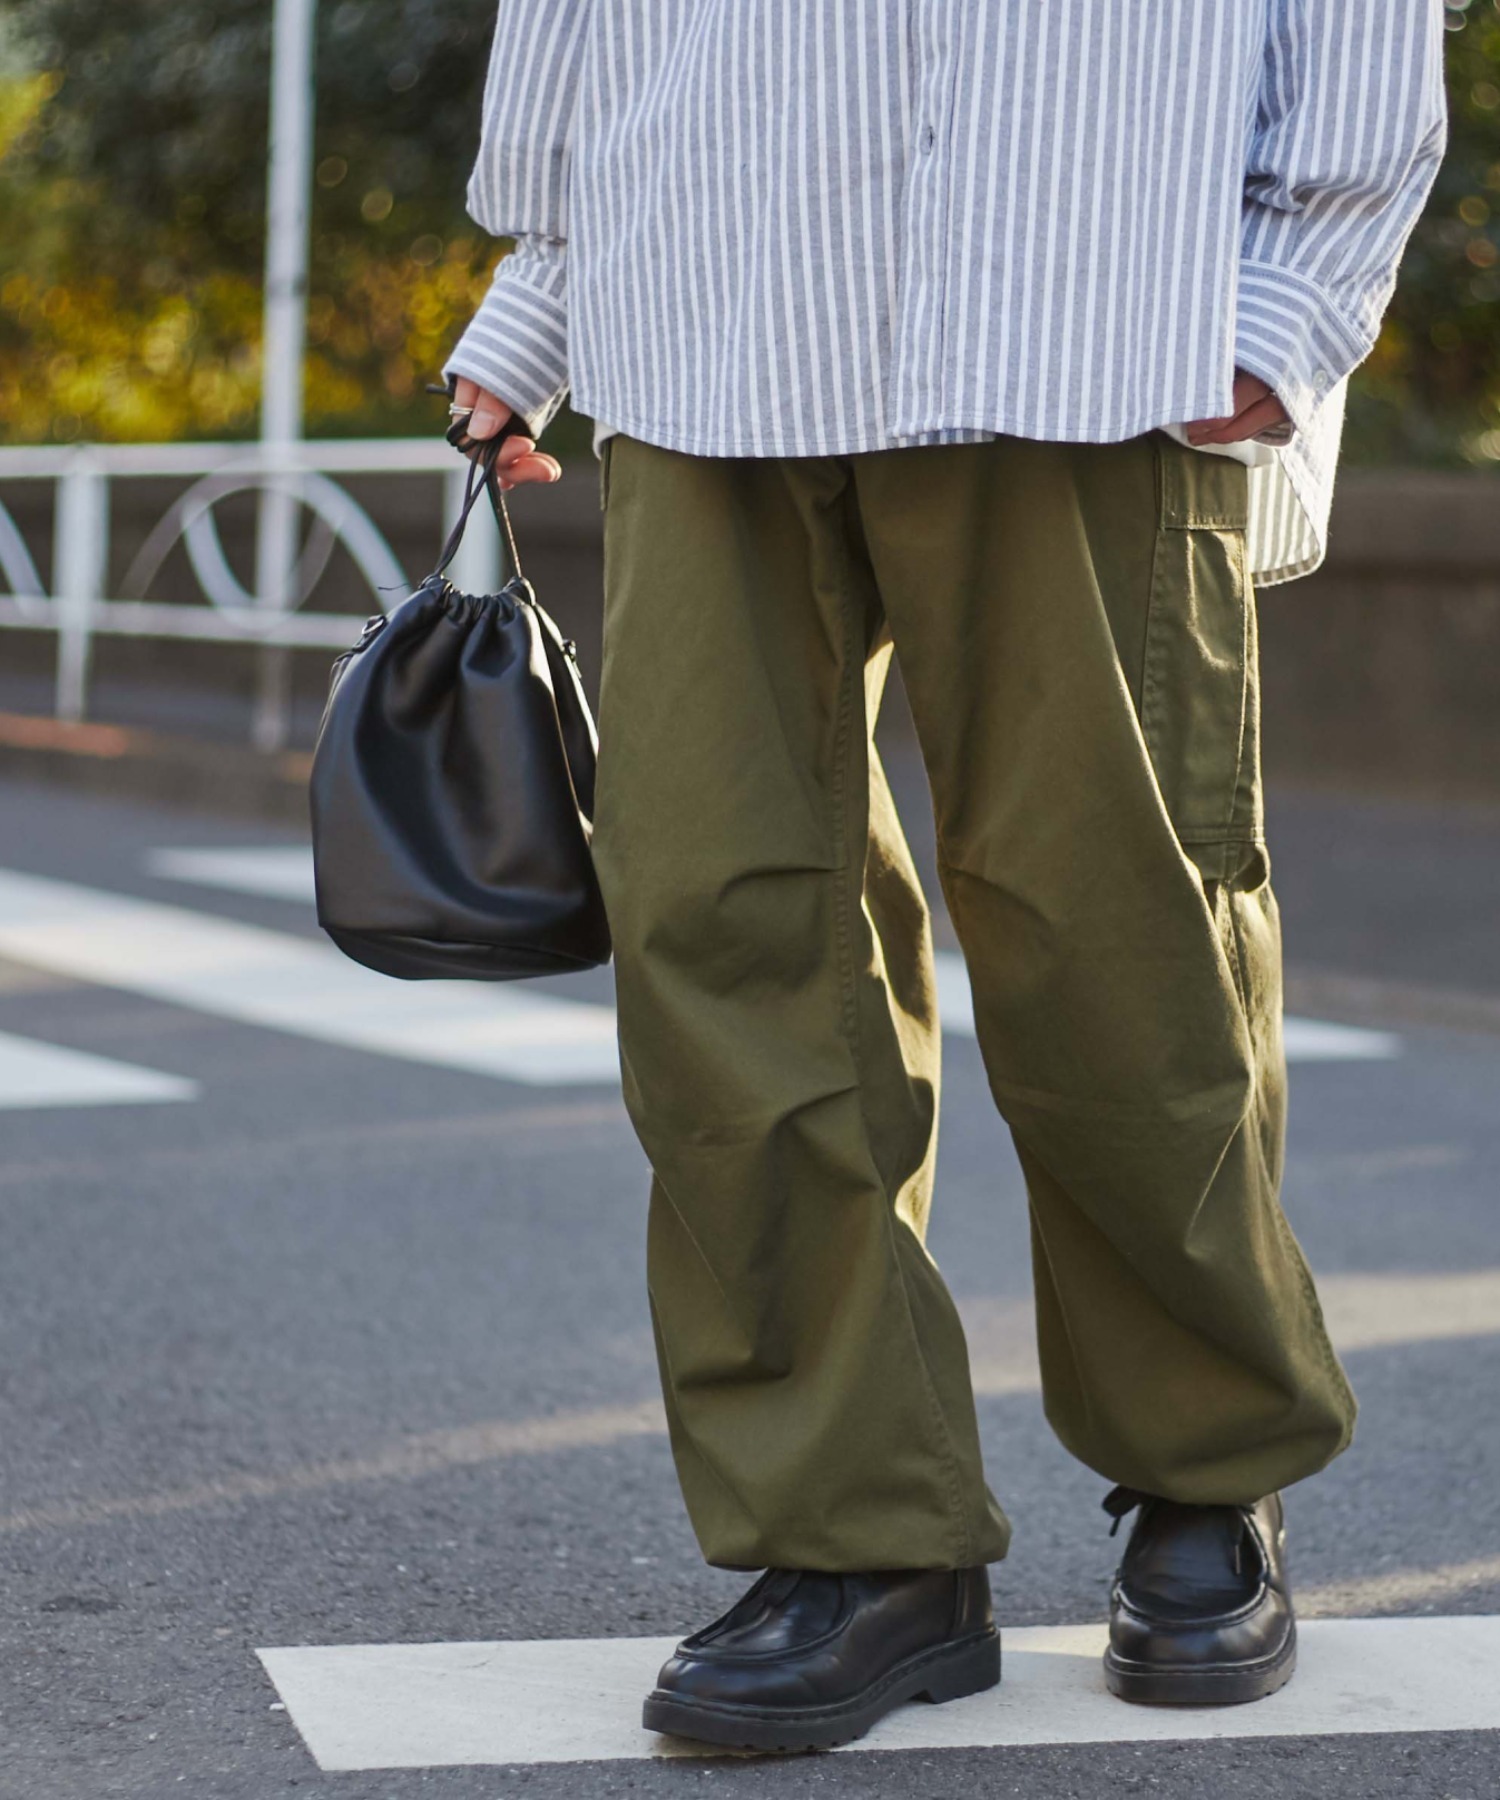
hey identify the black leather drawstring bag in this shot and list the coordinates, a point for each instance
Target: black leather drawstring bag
(453, 785)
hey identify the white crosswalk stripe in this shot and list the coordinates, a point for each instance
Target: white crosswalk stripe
(1307, 1040)
(34, 1074)
(279, 871)
(289, 983)
(1314, 1040)
(406, 1706)
(1365, 1311)
(285, 872)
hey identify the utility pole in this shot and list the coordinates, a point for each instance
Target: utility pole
(284, 338)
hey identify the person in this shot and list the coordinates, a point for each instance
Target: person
(1009, 342)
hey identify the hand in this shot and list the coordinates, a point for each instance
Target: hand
(518, 458)
(1256, 409)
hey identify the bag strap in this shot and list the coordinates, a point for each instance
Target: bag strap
(481, 479)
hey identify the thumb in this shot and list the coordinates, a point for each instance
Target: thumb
(488, 416)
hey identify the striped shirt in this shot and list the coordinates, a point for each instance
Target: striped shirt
(817, 227)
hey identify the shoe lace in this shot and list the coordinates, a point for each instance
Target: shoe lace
(1122, 1500)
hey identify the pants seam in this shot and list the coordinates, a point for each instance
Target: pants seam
(1326, 1354)
(1236, 961)
(849, 673)
(1246, 602)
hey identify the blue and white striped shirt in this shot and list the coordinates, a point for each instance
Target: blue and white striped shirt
(815, 227)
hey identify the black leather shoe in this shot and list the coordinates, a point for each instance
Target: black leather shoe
(805, 1661)
(1201, 1612)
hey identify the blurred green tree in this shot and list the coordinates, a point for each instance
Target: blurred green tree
(132, 201)
(132, 212)
(1430, 393)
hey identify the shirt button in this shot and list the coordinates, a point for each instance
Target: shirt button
(928, 138)
(1320, 380)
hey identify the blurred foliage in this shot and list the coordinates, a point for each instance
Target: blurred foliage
(132, 214)
(1430, 393)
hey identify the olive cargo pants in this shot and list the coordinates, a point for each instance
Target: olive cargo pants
(1076, 632)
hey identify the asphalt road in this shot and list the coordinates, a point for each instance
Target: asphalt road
(271, 1358)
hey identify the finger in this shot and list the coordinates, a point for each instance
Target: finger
(513, 451)
(488, 416)
(465, 392)
(1232, 429)
(535, 467)
(512, 448)
(1247, 390)
(1199, 431)
(1259, 417)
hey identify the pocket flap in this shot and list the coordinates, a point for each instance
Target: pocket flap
(1201, 491)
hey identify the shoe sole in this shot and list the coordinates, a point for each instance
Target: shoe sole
(1222, 1684)
(969, 1666)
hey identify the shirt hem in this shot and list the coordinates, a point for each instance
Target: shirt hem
(1308, 547)
(666, 437)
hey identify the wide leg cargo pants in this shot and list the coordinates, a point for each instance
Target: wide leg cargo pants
(1076, 632)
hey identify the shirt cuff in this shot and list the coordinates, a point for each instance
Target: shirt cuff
(1290, 334)
(516, 345)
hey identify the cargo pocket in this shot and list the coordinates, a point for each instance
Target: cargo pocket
(1200, 687)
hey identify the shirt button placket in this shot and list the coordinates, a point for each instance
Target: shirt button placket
(941, 81)
(926, 210)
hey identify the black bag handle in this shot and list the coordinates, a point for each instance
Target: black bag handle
(481, 453)
(482, 478)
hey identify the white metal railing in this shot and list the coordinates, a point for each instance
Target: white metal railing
(298, 475)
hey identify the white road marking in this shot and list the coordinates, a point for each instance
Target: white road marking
(1307, 1040)
(1364, 1312)
(37, 1074)
(288, 983)
(1371, 1312)
(285, 872)
(955, 997)
(420, 1706)
(279, 871)
(1312, 1040)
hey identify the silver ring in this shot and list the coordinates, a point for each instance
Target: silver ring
(459, 412)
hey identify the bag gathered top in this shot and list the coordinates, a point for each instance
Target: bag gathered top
(452, 785)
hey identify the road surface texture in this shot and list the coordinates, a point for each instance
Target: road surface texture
(322, 1325)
